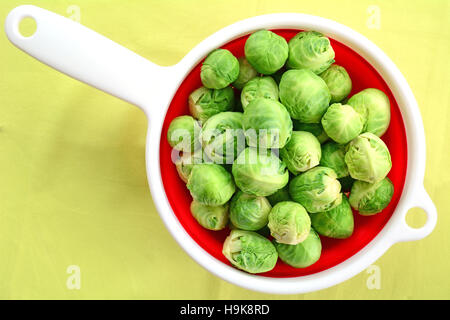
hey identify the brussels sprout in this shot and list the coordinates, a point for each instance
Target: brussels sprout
(204, 102)
(305, 95)
(342, 123)
(338, 82)
(368, 158)
(317, 189)
(250, 251)
(315, 128)
(371, 198)
(210, 184)
(266, 51)
(249, 212)
(260, 87)
(289, 222)
(302, 152)
(259, 173)
(335, 223)
(210, 217)
(303, 254)
(184, 166)
(186, 162)
(223, 137)
(346, 183)
(310, 50)
(333, 155)
(374, 107)
(267, 124)
(246, 73)
(183, 134)
(281, 195)
(219, 69)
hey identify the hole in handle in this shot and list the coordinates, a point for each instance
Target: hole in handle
(27, 27)
(416, 218)
(419, 220)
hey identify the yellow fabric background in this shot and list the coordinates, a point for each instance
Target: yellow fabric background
(73, 187)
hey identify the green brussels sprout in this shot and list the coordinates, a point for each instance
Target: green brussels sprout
(317, 189)
(219, 69)
(303, 254)
(250, 251)
(310, 50)
(210, 217)
(280, 195)
(368, 158)
(346, 183)
(305, 95)
(333, 156)
(210, 184)
(246, 73)
(249, 212)
(302, 152)
(266, 51)
(184, 166)
(315, 128)
(374, 107)
(336, 223)
(259, 173)
(289, 222)
(204, 102)
(260, 87)
(267, 124)
(342, 123)
(371, 198)
(222, 137)
(186, 162)
(338, 82)
(183, 134)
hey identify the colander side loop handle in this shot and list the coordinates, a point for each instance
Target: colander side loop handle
(419, 199)
(85, 55)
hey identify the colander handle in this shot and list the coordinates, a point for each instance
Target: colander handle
(419, 199)
(85, 55)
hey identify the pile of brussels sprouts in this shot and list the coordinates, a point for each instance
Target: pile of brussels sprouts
(278, 160)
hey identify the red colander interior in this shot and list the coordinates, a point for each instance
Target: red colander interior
(334, 252)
